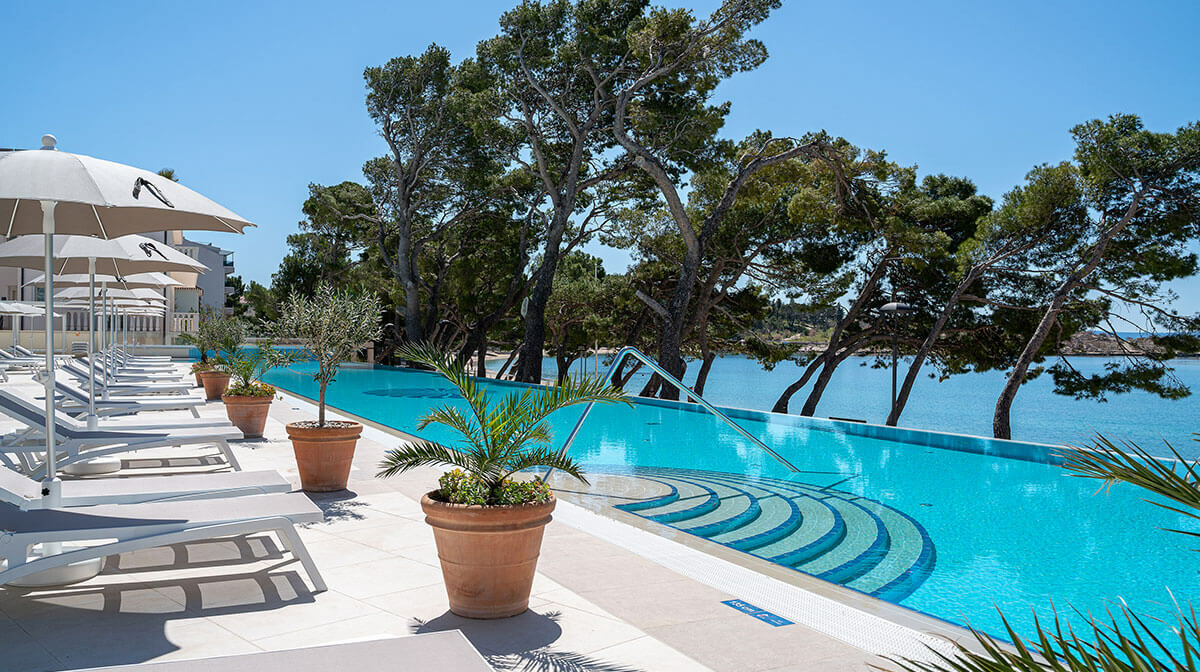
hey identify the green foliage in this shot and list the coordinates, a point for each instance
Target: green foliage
(496, 440)
(1118, 643)
(331, 325)
(459, 487)
(323, 249)
(246, 367)
(216, 333)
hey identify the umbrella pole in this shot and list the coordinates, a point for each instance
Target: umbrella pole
(51, 487)
(104, 336)
(92, 421)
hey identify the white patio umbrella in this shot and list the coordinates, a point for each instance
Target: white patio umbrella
(112, 292)
(46, 191)
(17, 310)
(131, 281)
(109, 257)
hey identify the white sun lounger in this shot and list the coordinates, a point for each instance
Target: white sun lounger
(26, 493)
(126, 356)
(77, 445)
(129, 527)
(115, 388)
(75, 401)
(134, 375)
(35, 397)
(447, 651)
(121, 364)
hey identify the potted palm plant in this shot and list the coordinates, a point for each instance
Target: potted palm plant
(248, 399)
(331, 325)
(488, 523)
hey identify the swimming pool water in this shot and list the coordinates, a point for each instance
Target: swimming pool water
(1009, 534)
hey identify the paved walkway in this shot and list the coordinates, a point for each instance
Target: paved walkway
(596, 606)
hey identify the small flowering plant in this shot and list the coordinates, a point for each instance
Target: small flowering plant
(459, 487)
(497, 440)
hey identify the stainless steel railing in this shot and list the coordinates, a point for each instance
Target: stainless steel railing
(629, 351)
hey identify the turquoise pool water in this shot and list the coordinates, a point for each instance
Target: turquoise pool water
(963, 403)
(973, 531)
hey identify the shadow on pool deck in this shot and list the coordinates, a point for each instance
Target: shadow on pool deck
(118, 620)
(524, 642)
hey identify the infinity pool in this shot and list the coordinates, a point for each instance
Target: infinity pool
(955, 527)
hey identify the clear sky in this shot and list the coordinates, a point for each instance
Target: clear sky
(251, 101)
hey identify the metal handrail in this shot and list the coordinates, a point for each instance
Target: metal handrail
(630, 351)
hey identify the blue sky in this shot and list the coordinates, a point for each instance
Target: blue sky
(251, 101)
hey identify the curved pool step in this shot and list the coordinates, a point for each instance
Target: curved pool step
(865, 544)
(834, 535)
(689, 500)
(896, 563)
(909, 561)
(735, 507)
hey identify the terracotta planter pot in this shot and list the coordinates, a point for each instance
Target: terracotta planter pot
(214, 383)
(199, 383)
(488, 553)
(324, 454)
(248, 414)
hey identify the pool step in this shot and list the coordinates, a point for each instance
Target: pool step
(834, 535)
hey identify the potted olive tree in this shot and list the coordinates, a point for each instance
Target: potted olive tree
(248, 399)
(218, 334)
(486, 522)
(206, 339)
(331, 325)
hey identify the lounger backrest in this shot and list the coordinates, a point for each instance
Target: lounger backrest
(17, 489)
(30, 415)
(70, 390)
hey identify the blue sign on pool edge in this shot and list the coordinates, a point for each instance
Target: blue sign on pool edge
(761, 614)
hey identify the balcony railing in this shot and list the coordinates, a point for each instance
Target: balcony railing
(185, 323)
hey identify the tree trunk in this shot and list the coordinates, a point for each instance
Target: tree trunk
(321, 406)
(621, 377)
(914, 369)
(652, 386)
(1001, 418)
(412, 309)
(670, 345)
(781, 404)
(831, 357)
(564, 365)
(481, 365)
(702, 375)
(529, 365)
(511, 356)
(814, 395)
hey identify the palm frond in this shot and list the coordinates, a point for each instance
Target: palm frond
(449, 416)
(421, 454)
(1123, 643)
(503, 438)
(1176, 479)
(453, 371)
(571, 392)
(544, 456)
